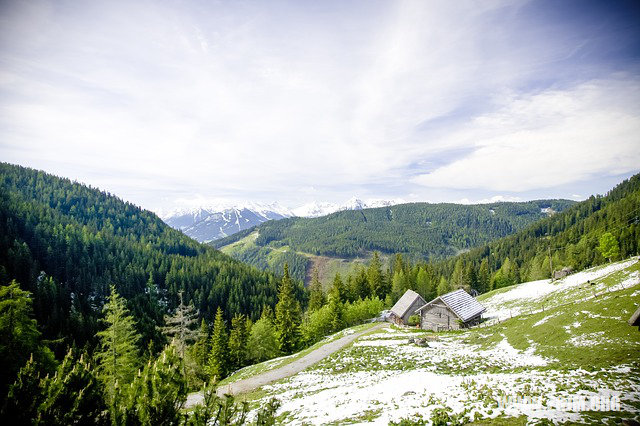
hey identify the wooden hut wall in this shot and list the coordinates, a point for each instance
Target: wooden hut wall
(438, 317)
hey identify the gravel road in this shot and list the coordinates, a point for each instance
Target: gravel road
(290, 369)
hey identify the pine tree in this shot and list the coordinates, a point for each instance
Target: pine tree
(398, 285)
(336, 307)
(288, 316)
(361, 289)
(376, 278)
(457, 277)
(238, 342)
(317, 298)
(117, 354)
(25, 396)
(160, 389)
(483, 276)
(74, 395)
(337, 282)
(202, 346)
(218, 357)
(443, 286)
(19, 335)
(423, 284)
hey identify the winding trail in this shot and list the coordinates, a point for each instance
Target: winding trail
(251, 383)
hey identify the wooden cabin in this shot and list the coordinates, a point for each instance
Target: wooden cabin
(405, 307)
(450, 311)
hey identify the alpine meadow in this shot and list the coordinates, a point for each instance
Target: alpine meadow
(394, 213)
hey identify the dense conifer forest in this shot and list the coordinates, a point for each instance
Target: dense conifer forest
(420, 231)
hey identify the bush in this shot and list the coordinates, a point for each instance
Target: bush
(414, 320)
(361, 310)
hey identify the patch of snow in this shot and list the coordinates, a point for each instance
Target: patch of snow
(538, 290)
(545, 319)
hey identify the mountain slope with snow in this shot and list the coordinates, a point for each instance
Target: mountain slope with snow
(212, 222)
(577, 352)
(206, 224)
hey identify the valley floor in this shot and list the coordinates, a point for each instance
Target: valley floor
(563, 346)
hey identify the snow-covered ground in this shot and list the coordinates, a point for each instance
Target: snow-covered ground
(382, 377)
(518, 299)
(326, 394)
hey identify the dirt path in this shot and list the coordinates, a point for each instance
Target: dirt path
(290, 369)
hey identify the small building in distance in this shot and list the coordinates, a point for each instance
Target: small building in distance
(450, 311)
(562, 273)
(405, 307)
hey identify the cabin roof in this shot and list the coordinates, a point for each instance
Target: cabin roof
(461, 303)
(403, 305)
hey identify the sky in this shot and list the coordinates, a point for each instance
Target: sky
(170, 101)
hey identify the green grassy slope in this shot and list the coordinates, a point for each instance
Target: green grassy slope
(580, 345)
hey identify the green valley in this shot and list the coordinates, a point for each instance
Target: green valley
(342, 240)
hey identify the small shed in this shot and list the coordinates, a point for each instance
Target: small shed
(634, 321)
(405, 307)
(562, 273)
(450, 311)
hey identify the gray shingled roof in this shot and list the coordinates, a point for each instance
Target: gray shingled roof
(402, 306)
(461, 303)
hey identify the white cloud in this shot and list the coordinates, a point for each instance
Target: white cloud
(155, 101)
(548, 139)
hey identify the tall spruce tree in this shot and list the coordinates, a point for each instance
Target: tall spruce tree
(218, 365)
(19, 335)
(317, 298)
(375, 277)
(202, 346)
(117, 354)
(238, 338)
(336, 307)
(288, 316)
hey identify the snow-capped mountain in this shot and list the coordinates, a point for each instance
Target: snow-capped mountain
(218, 221)
(215, 221)
(316, 209)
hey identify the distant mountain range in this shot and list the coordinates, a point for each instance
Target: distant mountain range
(209, 223)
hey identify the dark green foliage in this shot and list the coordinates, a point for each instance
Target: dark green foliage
(201, 348)
(573, 236)
(238, 338)
(25, 396)
(160, 390)
(85, 240)
(218, 365)
(317, 298)
(424, 231)
(73, 395)
(288, 316)
(19, 336)
(335, 305)
(118, 355)
(378, 283)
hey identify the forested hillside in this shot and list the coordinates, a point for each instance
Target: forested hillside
(66, 243)
(419, 231)
(573, 238)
